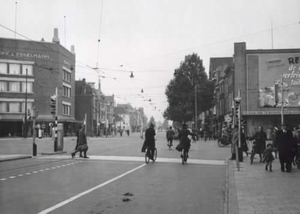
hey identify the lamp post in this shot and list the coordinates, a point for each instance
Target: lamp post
(25, 119)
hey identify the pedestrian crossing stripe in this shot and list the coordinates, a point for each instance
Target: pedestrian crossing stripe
(139, 159)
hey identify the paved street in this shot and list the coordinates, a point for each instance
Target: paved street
(60, 184)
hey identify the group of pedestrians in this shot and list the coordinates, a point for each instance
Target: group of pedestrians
(284, 142)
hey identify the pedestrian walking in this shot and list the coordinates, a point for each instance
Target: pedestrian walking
(274, 134)
(149, 140)
(268, 157)
(285, 144)
(260, 138)
(234, 141)
(82, 143)
(77, 140)
(244, 142)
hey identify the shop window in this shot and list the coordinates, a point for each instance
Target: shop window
(3, 68)
(3, 86)
(14, 86)
(3, 107)
(67, 76)
(67, 91)
(29, 87)
(29, 70)
(14, 107)
(29, 106)
(66, 109)
(14, 69)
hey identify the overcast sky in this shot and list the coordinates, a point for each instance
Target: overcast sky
(150, 37)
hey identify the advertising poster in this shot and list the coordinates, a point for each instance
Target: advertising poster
(272, 69)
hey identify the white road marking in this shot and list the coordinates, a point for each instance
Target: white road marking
(142, 159)
(34, 172)
(50, 209)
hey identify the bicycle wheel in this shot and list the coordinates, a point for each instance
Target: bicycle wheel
(182, 157)
(147, 156)
(154, 155)
(252, 157)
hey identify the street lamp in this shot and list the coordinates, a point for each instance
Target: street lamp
(25, 119)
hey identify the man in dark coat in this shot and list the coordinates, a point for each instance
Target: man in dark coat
(284, 144)
(260, 138)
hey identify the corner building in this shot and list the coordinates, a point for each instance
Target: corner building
(44, 66)
(256, 72)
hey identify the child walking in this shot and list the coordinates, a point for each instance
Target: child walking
(268, 157)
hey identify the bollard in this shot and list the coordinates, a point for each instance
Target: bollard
(34, 149)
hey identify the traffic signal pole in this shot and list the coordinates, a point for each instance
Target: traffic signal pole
(56, 120)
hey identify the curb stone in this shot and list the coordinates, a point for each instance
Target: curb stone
(14, 158)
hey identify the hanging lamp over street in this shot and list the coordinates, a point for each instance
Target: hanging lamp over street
(131, 75)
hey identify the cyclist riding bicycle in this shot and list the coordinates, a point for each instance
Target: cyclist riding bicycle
(184, 140)
(150, 140)
(170, 134)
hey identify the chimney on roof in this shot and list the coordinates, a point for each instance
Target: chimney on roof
(55, 36)
(73, 49)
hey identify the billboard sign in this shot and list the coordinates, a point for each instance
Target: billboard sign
(282, 70)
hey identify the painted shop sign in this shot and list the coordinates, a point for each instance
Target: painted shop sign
(271, 67)
(23, 54)
(269, 112)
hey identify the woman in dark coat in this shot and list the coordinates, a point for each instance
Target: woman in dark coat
(150, 140)
(183, 137)
(260, 138)
(82, 143)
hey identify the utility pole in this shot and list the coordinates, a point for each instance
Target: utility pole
(282, 100)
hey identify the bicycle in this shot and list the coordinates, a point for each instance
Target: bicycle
(184, 156)
(148, 155)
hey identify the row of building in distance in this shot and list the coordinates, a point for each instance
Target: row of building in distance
(254, 74)
(30, 73)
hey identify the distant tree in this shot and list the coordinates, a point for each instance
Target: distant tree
(180, 91)
(165, 124)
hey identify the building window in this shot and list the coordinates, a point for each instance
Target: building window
(14, 107)
(67, 76)
(29, 106)
(66, 109)
(3, 86)
(3, 68)
(29, 87)
(29, 70)
(14, 69)
(3, 107)
(67, 91)
(14, 86)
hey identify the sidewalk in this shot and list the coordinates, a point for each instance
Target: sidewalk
(253, 190)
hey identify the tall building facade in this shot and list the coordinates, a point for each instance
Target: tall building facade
(30, 73)
(262, 76)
